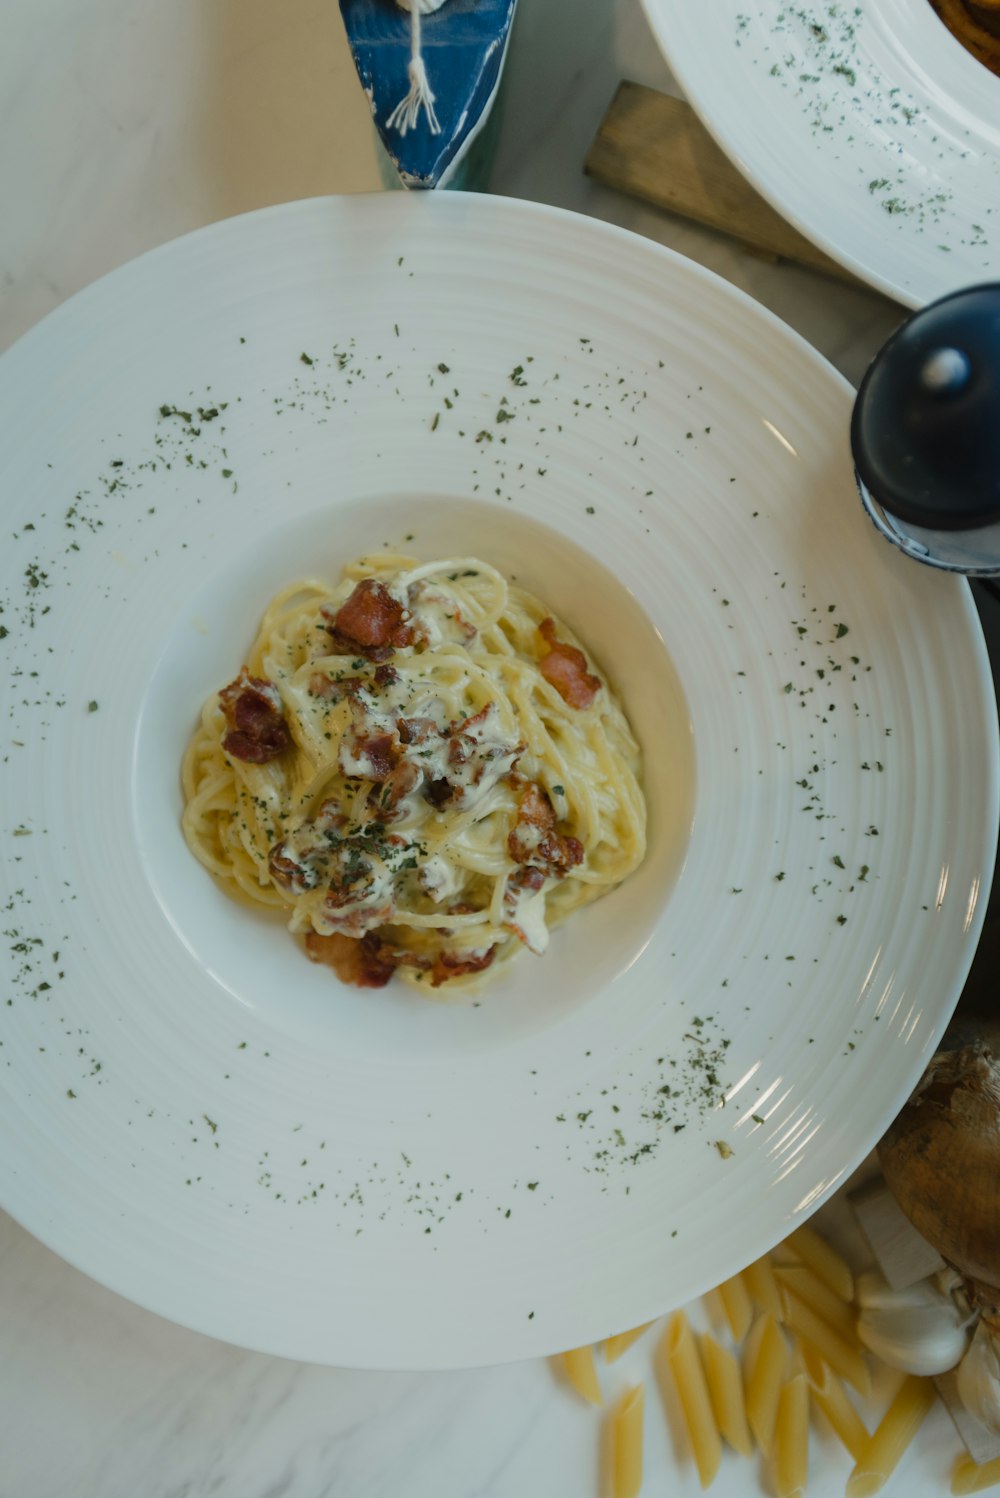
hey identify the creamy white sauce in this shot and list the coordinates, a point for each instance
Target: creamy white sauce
(528, 837)
(439, 878)
(439, 615)
(528, 916)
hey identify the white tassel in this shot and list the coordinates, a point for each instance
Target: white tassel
(406, 114)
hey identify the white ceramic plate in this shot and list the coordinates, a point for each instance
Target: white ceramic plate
(866, 124)
(200, 1119)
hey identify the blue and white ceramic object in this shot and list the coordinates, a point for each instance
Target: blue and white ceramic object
(925, 434)
(431, 71)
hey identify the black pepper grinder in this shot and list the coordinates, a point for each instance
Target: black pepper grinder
(925, 434)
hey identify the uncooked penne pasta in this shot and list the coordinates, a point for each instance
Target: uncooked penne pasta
(791, 1439)
(725, 1390)
(845, 1358)
(813, 1250)
(626, 1444)
(969, 1477)
(829, 1394)
(737, 1305)
(751, 1344)
(692, 1391)
(808, 1286)
(763, 1287)
(712, 1301)
(616, 1345)
(581, 1370)
(765, 1376)
(891, 1437)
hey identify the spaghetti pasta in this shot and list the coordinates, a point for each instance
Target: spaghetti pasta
(420, 767)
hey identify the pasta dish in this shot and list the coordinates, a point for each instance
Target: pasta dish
(976, 24)
(421, 767)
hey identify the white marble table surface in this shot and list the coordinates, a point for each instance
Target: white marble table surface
(122, 124)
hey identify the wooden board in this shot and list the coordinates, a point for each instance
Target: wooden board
(654, 147)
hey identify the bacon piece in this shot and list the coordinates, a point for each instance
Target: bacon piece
(385, 676)
(373, 755)
(527, 878)
(365, 962)
(381, 751)
(448, 965)
(477, 759)
(415, 730)
(288, 872)
(439, 793)
(533, 839)
(565, 668)
(385, 798)
(371, 622)
(464, 737)
(536, 809)
(257, 729)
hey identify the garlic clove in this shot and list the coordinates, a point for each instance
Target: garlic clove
(872, 1291)
(917, 1330)
(978, 1378)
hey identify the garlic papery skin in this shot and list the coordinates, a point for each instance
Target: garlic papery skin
(978, 1378)
(918, 1330)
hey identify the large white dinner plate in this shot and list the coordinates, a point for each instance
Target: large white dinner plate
(195, 1115)
(865, 123)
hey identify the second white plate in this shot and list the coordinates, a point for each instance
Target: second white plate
(867, 125)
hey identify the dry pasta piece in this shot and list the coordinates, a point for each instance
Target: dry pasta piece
(692, 1390)
(581, 1370)
(725, 1389)
(616, 1345)
(808, 1286)
(823, 1260)
(891, 1437)
(763, 1287)
(791, 1439)
(751, 1346)
(968, 1477)
(626, 1444)
(712, 1301)
(765, 1376)
(845, 1358)
(737, 1305)
(828, 1392)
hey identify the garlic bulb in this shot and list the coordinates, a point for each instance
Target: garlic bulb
(978, 1378)
(921, 1329)
(941, 1157)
